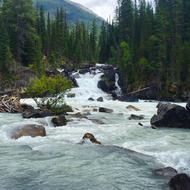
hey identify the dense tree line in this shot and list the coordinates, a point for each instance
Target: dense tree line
(150, 44)
(31, 38)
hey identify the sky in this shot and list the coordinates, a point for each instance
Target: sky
(103, 8)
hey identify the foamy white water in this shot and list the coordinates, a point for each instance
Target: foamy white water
(58, 162)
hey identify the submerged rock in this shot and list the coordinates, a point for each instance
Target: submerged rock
(36, 113)
(59, 121)
(133, 108)
(100, 99)
(91, 138)
(180, 182)
(105, 110)
(126, 98)
(166, 172)
(90, 99)
(79, 115)
(136, 117)
(71, 95)
(96, 121)
(31, 130)
(171, 115)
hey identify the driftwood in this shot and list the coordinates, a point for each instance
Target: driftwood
(10, 104)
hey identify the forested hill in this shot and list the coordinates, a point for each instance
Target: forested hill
(75, 11)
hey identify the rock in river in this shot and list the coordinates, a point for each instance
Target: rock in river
(132, 108)
(166, 172)
(36, 113)
(105, 110)
(180, 182)
(100, 99)
(171, 115)
(71, 95)
(91, 138)
(136, 117)
(59, 121)
(31, 130)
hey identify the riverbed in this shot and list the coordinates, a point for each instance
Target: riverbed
(125, 161)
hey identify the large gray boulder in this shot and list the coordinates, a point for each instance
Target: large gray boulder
(171, 115)
(180, 182)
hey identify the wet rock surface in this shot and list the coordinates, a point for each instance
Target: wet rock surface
(172, 116)
(105, 110)
(31, 130)
(180, 182)
(59, 121)
(36, 113)
(136, 117)
(91, 138)
(132, 108)
(166, 172)
(100, 99)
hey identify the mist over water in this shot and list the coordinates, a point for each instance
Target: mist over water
(126, 160)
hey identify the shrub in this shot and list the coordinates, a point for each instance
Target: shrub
(55, 105)
(40, 87)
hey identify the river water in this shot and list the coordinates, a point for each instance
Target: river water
(126, 160)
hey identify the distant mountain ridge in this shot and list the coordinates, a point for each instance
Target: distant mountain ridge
(75, 11)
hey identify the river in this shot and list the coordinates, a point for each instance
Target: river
(126, 160)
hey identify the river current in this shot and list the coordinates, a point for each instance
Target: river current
(126, 160)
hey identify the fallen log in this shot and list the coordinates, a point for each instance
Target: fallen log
(10, 104)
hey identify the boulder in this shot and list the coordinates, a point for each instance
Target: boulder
(84, 71)
(91, 138)
(71, 95)
(126, 98)
(36, 113)
(100, 99)
(59, 121)
(188, 105)
(172, 116)
(31, 130)
(132, 108)
(166, 172)
(105, 110)
(74, 81)
(103, 86)
(90, 99)
(26, 107)
(180, 182)
(136, 117)
(76, 75)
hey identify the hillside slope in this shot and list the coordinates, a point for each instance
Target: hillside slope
(75, 11)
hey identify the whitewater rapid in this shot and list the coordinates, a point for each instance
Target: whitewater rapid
(58, 162)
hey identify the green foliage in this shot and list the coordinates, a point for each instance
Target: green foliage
(150, 44)
(6, 58)
(55, 105)
(48, 85)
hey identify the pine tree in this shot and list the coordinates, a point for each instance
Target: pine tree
(6, 59)
(20, 22)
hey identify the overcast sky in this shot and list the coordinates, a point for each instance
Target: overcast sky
(104, 8)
